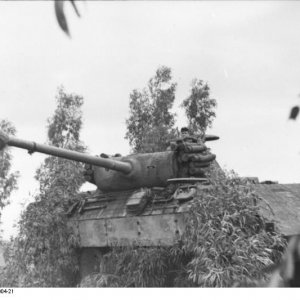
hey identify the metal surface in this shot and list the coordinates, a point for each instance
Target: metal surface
(159, 223)
(210, 137)
(281, 203)
(162, 229)
(149, 169)
(93, 233)
(188, 180)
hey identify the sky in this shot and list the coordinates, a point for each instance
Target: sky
(247, 52)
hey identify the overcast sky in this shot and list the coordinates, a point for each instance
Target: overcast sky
(248, 53)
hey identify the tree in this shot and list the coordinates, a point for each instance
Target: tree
(150, 123)
(45, 250)
(8, 180)
(199, 107)
(63, 131)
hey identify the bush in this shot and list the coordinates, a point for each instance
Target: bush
(44, 254)
(226, 236)
(136, 266)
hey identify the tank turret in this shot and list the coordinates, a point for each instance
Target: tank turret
(185, 158)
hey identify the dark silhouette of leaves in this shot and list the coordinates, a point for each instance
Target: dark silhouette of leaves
(290, 268)
(75, 8)
(60, 14)
(294, 113)
(287, 273)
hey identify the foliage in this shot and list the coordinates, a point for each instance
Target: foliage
(60, 14)
(225, 244)
(45, 250)
(226, 235)
(199, 107)
(294, 112)
(8, 180)
(136, 266)
(150, 123)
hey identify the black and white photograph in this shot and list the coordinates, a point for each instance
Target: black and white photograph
(149, 144)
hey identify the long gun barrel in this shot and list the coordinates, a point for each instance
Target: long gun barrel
(124, 167)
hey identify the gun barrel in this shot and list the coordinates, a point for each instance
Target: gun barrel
(210, 137)
(124, 167)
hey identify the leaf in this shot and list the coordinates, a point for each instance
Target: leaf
(60, 14)
(75, 8)
(294, 113)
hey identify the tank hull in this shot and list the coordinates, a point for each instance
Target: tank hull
(106, 220)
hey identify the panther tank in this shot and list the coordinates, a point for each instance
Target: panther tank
(140, 198)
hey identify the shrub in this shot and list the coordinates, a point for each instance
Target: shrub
(226, 236)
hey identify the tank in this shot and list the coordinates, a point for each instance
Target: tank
(139, 198)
